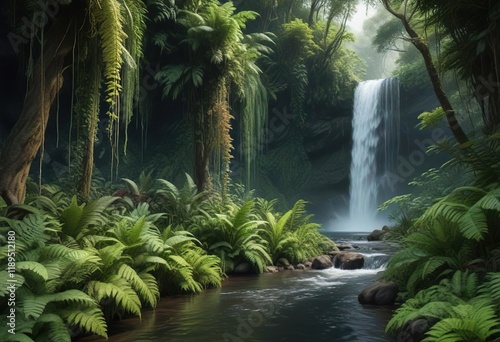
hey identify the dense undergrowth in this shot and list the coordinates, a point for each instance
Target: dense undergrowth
(78, 265)
(448, 268)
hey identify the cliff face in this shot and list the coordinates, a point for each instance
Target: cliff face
(311, 159)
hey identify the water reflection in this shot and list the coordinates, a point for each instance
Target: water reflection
(286, 306)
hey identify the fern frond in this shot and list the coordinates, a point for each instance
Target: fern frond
(145, 284)
(89, 320)
(119, 290)
(34, 267)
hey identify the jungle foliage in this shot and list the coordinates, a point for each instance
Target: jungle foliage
(447, 267)
(79, 265)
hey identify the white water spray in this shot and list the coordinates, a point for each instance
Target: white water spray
(375, 148)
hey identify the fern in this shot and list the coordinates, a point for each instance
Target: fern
(434, 302)
(118, 289)
(206, 268)
(491, 287)
(34, 267)
(470, 322)
(431, 119)
(51, 327)
(144, 284)
(162, 11)
(89, 320)
(34, 306)
(77, 219)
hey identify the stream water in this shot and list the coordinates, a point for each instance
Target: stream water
(286, 306)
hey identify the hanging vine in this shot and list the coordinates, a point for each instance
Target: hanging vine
(87, 112)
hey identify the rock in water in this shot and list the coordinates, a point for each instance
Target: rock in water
(272, 269)
(349, 261)
(243, 268)
(322, 262)
(282, 262)
(343, 246)
(377, 234)
(414, 331)
(379, 294)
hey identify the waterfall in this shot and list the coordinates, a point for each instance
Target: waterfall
(375, 147)
(375, 261)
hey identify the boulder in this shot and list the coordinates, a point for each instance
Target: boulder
(272, 269)
(414, 331)
(333, 254)
(349, 261)
(290, 268)
(308, 264)
(282, 262)
(243, 268)
(343, 246)
(322, 262)
(379, 294)
(376, 235)
(300, 267)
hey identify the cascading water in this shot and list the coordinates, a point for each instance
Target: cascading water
(375, 147)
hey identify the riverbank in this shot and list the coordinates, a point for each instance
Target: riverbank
(286, 306)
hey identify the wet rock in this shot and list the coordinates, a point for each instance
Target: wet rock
(379, 293)
(272, 269)
(322, 262)
(333, 254)
(282, 262)
(290, 268)
(243, 268)
(349, 261)
(376, 235)
(414, 331)
(343, 246)
(300, 267)
(307, 264)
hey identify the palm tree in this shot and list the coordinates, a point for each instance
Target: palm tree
(213, 57)
(99, 33)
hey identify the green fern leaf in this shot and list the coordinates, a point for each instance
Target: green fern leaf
(34, 267)
(90, 320)
(145, 285)
(119, 290)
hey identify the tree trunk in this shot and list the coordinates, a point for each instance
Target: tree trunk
(201, 156)
(455, 127)
(87, 109)
(312, 12)
(25, 139)
(88, 158)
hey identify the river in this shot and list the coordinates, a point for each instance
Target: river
(286, 306)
